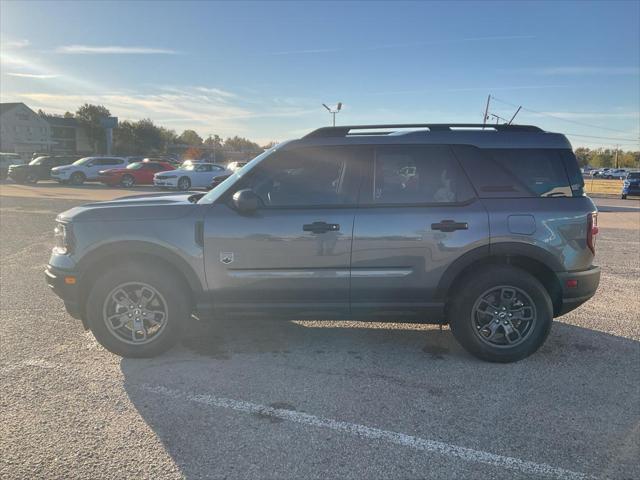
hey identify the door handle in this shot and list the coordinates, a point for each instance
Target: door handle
(449, 226)
(320, 227)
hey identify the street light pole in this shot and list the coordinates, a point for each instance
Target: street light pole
(333, 111)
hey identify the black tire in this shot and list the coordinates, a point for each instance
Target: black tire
(31, 178)
(174, 295)
(128, 181)
(462, 317)
(77, 178)
(608, 177)
(184, 183)
(623, 197)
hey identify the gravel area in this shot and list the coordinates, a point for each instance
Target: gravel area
(292, 400)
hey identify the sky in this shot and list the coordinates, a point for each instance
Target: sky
(262, 70)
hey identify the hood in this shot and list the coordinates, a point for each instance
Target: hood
(137, 207)
(63, 167)
(113, 170)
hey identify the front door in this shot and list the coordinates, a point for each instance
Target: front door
(292, 255)
(418, 215)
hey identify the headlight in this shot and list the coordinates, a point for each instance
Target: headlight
(62, 236)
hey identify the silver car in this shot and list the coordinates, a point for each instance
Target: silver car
(486, 229)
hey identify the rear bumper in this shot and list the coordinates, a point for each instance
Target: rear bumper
(585, 288)
(55, 278)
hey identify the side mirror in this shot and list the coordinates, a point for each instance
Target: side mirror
(246, 201)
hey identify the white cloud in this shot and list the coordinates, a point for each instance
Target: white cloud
(22, 43)
(42, 76)
(113, 50)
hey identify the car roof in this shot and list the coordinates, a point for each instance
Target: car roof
(482, 136)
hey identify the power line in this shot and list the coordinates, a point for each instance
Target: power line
(557, 118)
(617, 139)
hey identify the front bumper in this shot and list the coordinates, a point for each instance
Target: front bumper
(60, 175)
(586, 283)
(69, 293)
(169, 183)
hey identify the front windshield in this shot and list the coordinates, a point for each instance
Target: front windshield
(134, 166)
(82, 161)
(634, 175)
(215, 192)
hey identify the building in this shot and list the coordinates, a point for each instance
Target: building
(67, 136)
(22, 130)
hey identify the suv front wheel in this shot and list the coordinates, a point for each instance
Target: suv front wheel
(137, 310)
(501, 314)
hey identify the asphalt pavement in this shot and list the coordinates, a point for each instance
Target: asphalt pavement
(292, 400)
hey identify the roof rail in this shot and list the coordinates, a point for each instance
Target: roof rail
(343, 131)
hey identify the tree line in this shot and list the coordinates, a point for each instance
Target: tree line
(143, 137)
(606, 157)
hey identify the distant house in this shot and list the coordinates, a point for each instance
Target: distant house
(67, 136)
(22, 130)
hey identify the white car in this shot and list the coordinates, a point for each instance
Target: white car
(196, 175)
(86, 168)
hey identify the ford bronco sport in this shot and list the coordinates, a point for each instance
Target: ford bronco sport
(486, 229)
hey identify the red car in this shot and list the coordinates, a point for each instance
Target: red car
(140, 173)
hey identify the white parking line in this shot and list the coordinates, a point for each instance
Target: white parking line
(362, 431)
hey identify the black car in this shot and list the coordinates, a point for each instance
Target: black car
(217, 181)
(39, 168)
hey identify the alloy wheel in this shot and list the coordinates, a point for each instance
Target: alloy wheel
(135, 313)
(503, 316)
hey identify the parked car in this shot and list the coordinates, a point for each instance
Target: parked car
(235, 166)
(38, 169)
(86, 169)
(138, 173)
(494, 236)
(631, 185)
(195, 175)
(601, 172)
(616, 173)
(217, 181)
(6, 160)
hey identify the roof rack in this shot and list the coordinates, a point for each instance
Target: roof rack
(349, 130)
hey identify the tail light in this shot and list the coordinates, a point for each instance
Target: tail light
(592, 231)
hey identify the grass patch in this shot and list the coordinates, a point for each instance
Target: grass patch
(602, 186)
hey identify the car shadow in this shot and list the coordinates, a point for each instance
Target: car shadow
(581, 382)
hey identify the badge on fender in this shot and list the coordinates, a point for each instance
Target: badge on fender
(226, 257)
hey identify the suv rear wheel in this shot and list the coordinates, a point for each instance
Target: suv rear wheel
(501, 314)
(137, 310)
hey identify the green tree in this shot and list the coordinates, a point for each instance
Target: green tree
(190, 137)
(240, 144)
(89, 117)
(583, 155)
(138, 138)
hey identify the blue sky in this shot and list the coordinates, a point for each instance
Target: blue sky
(263, 69)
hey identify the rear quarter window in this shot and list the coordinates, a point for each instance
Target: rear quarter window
(518, 173)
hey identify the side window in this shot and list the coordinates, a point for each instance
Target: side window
(203, 168)
(308, 177)
(418, 174)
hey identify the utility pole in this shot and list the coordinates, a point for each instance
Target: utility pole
(617, 155)
(486, 112)
(333, 111)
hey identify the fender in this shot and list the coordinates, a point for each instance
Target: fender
(495, 251)
(127, 247)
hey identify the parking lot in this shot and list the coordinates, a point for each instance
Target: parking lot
(312, 399)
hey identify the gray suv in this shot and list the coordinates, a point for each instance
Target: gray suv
(486, 229)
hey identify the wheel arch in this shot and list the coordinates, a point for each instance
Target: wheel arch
(538, 262)
(114, 254)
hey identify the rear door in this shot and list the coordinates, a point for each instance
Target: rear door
(418, 214)
(292, 255)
